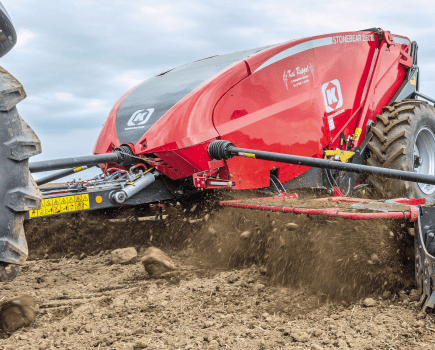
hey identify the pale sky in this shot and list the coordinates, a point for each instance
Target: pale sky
(75, 58)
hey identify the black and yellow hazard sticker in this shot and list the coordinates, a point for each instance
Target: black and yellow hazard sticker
(59, 205)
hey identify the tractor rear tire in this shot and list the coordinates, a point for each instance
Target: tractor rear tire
(404, 139)
(18, 190)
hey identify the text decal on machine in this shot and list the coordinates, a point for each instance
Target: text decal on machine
(58, 205)
(352, 38)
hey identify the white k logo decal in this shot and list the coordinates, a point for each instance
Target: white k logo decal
(140, 117)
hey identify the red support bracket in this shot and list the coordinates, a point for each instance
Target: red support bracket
(206, 181)
(386, 40)
(386, 36)
(405, 59)
(338, 193)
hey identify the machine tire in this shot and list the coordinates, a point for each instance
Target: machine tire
(18, 190)
(399, 132)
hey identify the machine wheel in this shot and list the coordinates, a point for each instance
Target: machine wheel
(404, 139)
(18, 191)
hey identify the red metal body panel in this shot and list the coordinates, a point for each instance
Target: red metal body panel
(179, 163)
(281, 107)
(189, 122)
(180, 137)
(295, 98)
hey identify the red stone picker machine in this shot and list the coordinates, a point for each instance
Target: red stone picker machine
(340, 114)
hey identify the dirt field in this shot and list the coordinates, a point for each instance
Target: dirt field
(244, 280)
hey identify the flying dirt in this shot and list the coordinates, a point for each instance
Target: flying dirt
(240, 281)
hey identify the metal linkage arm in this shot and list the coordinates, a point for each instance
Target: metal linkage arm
(59, 175)
(221, 149)
(63, 163)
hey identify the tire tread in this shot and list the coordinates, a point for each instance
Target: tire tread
(389, 147)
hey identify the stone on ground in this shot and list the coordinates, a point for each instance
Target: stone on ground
(17, 313)
(156, 262)
(369, 302)
(414, 295)
(245, 234)
(124, 255)
(291, 226)
(299, 336)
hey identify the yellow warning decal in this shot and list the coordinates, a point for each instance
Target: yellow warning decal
(343, 155)
(413, 81)
(249, 155)
(56, 209)
(58, 205)
(357, 134)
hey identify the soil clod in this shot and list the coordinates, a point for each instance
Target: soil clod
(17, 313)
(156, 262)
(124, 256)
(369, 302)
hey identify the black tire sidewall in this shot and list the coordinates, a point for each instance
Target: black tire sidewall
(424, 119)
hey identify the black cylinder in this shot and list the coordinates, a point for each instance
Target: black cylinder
(219, 149)
(63, 163)
(126, 155)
